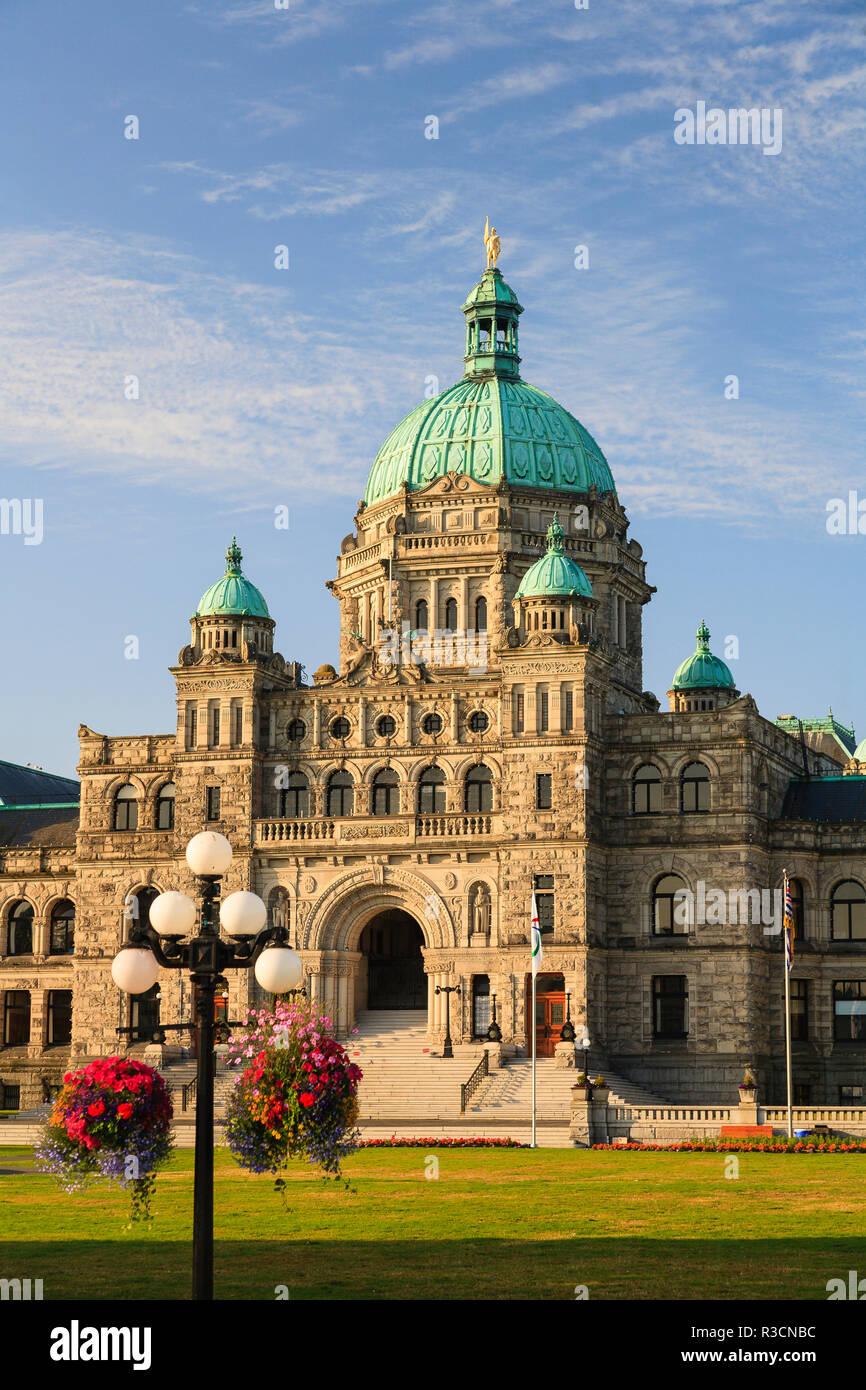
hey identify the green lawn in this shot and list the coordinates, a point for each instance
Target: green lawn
(494, 1225)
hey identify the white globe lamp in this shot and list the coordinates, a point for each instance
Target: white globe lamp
(173, 914)
(135, 969)
(209, 854)
(242, 914)
(279, 969)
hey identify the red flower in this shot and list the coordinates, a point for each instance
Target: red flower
(306, 1099)
(95, 1109)
(125, 1110)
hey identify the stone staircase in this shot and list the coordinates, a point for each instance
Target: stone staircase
(26, 1127)
(405, 1077)
(180, 1074)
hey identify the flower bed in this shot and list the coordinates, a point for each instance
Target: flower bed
(778, 1144)
(296, 1097)
(395, 1143)
(110, 1121)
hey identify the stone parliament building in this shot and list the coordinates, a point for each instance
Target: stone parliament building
(483, 733)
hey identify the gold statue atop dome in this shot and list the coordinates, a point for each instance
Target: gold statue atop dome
(492, 243)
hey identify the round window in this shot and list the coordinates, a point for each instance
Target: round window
(386, 726)
(296, 730)
(431, 724)
(340, 727)
(478, 722)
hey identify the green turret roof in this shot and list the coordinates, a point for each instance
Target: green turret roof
(233, 594)
(554, 573)
(491, 425)
(702, 670)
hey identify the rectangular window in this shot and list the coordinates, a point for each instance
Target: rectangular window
(16, 1032)
(518, 711)
(191, 726)
(214, 725)
(239, 725)
(543, 791)
(213, 803)
(670, 1006)
(623, 623)
(10, 1097)
(543, 886)
(543, 721)
(802, 1093)
(848, 1094)
(567, 709)
(849, 1010)
(59, 1017)
(799, 1010)
(480, 1005)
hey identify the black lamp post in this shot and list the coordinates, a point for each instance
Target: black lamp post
(135, 969)
(447, 990)
(567, 1033)
(494, 1032)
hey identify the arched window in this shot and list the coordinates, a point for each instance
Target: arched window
(421, 619)
(62, 928)
(431, 792)
(695, 790)
(848, 912)
(481, 614)
(479, 789)
(165, 807)
(647, 791)
(341, 794)
(669, 917)
(21, 929)
(136, 907)
(451, 615)
(126, 809)
(386, 793)
(294, 798)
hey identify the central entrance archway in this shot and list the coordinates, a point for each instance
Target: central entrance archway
(392, 943)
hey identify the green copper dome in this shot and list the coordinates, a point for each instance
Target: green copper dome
(702, 670)
(233, 594)
(554, 573)
(490, 425)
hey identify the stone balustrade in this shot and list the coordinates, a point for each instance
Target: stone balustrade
(344, 830)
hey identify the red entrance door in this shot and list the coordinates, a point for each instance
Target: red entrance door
(549, 1013)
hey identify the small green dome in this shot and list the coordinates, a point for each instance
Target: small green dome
(491, 425)
(554, 573)
(702, 670)
(233, 594)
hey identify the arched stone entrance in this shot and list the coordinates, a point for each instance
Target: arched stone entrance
(391, 944)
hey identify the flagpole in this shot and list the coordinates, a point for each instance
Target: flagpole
(534, 1038)
(785, 948)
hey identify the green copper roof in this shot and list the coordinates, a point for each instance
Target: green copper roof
(233, 594)
(702, 670)
(554, 573)
(827, 725)
(490, 425)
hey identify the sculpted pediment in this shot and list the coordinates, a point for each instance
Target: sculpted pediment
(451, 483)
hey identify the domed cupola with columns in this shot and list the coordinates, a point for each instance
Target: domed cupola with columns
(702, 681)
(232, 615)
(554, 596)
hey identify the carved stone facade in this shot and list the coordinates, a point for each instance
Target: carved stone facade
(441, 773)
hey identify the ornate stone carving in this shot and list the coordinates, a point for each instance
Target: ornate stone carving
(308, 884)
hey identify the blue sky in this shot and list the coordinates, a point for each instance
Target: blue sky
(262, 388)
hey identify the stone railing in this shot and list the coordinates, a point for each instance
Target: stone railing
(346, 829)
(446, 827)
(356, 559)
(597, 1122)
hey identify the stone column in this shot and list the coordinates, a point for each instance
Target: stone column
(433, 607)
(455, 718)
(38, 1022)
(362, 721)
(463, 618)
(530, 709)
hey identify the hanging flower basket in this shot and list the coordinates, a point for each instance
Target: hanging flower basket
(297, 1094)
(111, 1122)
